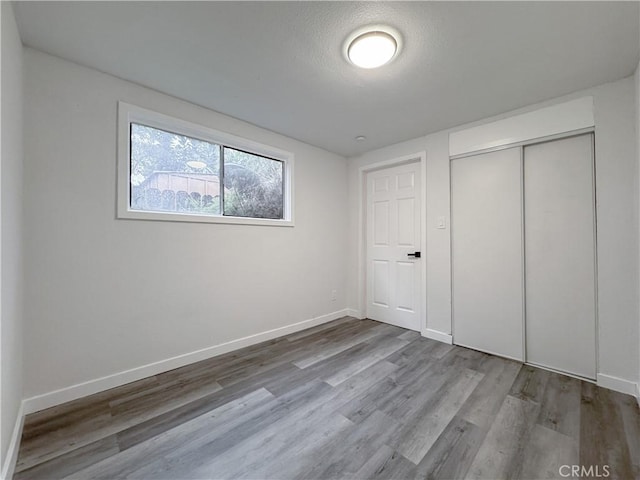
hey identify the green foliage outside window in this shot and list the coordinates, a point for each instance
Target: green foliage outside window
(253, 185)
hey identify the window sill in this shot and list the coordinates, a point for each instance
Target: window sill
(180, 217)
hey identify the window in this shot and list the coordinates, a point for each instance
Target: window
(252, 185)
(169, 169)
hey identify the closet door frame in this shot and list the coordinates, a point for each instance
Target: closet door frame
(521, 145)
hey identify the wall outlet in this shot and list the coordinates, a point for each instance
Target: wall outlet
(334, 295)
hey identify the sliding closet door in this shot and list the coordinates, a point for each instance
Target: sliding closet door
(560, 255)
(486, 230)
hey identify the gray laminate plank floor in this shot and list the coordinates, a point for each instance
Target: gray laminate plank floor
(351, 399)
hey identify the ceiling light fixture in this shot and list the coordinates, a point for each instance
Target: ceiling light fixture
(372, 47)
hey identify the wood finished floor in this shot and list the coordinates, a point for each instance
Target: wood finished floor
(348, 399)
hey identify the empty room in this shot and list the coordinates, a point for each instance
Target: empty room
(319, 240)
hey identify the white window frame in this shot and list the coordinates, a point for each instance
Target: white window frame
(128, 114)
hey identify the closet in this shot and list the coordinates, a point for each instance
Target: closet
(523, 253)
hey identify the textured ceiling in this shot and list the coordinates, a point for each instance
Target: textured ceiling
(279, 65)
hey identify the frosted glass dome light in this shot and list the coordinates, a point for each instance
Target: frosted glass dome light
(372, 49)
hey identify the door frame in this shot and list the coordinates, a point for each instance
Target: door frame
(421, 159)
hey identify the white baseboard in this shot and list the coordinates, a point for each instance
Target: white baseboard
(638, 393)
(439, 336)
(352, 312)
(618, 384)
(57, 397)
(12, 452)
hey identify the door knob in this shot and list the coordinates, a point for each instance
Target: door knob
(415, 254)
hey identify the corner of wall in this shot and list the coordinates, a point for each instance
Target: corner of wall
(637, 81)
(11, 226)
(637, 84)
(9, 464)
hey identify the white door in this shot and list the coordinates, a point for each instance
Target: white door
(394, 259)
(486, 241)
(560, 255)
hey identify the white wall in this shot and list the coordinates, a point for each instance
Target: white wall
(615, 118)
(11, 201)
(106, 295)
(617, 229)
(637, 80)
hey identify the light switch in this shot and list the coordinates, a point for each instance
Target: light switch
(442, 222)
